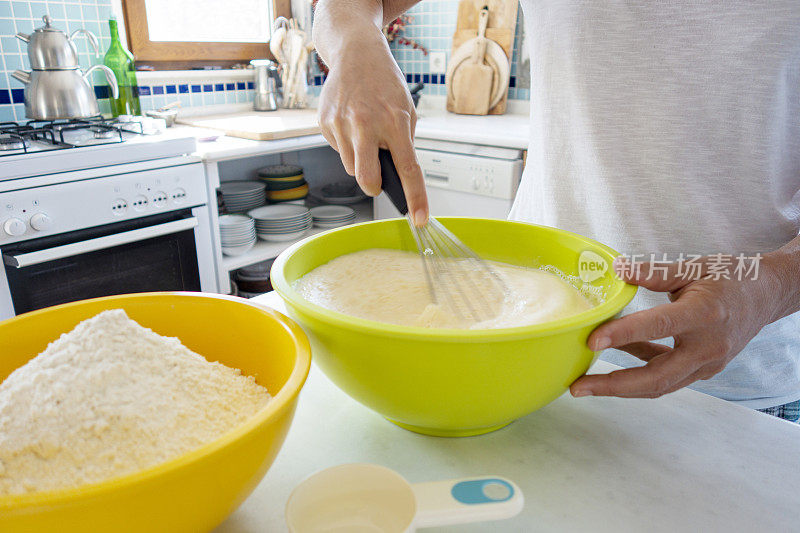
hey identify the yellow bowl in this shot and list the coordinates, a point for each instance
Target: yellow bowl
(451, 382)
(194, 492)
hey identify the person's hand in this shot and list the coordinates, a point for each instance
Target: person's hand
(710, 321)
(365, 105)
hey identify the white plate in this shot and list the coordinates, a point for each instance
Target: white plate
(282, 220)
(332, 225)
(331, 220)
(237, 229)
(242, 187)
(283, 226)
(242, 237)
(234, 220)
(282, 237)
(283, 231)
(238, 250)
(237, 233)
(240, 201)
(243, 197)
(279, 212)
(332, 211)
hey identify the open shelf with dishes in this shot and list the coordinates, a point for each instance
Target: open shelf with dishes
(264, 250)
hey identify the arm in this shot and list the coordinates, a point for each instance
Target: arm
(710, 320)
(785, 264)
(365, 103)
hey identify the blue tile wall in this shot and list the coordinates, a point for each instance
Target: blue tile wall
(157, 95)
(433, 24)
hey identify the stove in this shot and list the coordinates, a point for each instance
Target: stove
(36, 148)
(97, 206)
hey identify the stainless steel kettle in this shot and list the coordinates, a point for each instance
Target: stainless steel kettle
(62, 94)
(267, 85)
(50, 48)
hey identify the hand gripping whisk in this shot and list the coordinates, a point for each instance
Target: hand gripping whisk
(457, 277)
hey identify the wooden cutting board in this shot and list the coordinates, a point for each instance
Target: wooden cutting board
(260, 126)
(501, 29)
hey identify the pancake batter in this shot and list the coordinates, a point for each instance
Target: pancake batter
(390, 286)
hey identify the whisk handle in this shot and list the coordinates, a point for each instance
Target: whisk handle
(390, 181)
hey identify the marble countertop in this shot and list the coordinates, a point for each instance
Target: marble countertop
(684, 462)
(510, 130)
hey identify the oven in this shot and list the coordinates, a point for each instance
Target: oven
(144, 227)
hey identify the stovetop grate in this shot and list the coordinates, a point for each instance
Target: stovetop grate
(51, 133)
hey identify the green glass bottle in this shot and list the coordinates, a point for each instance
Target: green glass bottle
(119, 60)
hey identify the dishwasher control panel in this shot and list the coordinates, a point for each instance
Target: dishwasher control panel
(484, 176)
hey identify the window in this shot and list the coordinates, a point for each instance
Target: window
(184, 33)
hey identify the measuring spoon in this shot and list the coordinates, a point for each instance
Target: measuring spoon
(367, 498)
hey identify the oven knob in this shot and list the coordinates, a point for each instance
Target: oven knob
(14, 227)
(41, 222)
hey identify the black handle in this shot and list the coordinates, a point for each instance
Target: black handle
(417, 88)
(390, 181)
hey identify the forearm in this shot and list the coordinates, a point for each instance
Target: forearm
(342, 26)
(783, 265)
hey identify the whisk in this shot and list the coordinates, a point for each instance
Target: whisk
(457, 277)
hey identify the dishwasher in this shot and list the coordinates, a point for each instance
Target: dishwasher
(464, 180)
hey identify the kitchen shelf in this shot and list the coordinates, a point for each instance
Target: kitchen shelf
(264, 250)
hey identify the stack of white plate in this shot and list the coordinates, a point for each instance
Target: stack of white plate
(332, 216)
(242, 196)
(237, 233)
(281, 222)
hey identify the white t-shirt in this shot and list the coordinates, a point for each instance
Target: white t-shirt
(672, 127)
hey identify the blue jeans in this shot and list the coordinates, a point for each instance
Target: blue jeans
(787, 411)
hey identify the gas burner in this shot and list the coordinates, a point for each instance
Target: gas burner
(103, 133)
(9, 143)
(47, 135)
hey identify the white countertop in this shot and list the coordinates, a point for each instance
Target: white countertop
(510, 130)
(684, 462)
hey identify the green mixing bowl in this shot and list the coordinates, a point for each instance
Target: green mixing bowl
(449, 382)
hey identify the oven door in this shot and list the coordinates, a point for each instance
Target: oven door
(155, 253)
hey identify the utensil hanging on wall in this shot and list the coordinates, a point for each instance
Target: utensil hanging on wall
(500, 31)
(477, 63)
(473, 91)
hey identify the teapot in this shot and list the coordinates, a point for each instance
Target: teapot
(63, 93)
(51, 48)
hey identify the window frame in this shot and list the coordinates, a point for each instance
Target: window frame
(171, 55)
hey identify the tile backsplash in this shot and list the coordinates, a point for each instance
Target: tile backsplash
(195, 89)
(432, 26)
